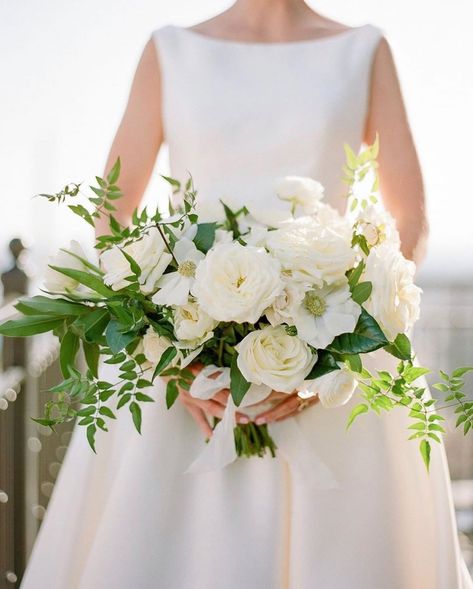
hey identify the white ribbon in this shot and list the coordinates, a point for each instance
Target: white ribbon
(287, 434)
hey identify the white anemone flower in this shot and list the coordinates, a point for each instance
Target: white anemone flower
(325, 313)
(174, 287)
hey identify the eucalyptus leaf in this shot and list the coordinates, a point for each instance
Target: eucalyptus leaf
(116, 340)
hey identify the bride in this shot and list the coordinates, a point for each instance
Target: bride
(267, 88)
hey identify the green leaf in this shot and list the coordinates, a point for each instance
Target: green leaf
(172, 392)
(424, 448)
(83, 213)
(135, 410)
(413, 373)
(205, 236)
(166, 358)
(41, 305)
(87, 279)
(30, 325)
(367, 337)
(400, 347)
(92, 355)
(144, 398)
(91, 429)
(325, 363)
(238, 384)
(107, 412)
(357, 410)
(354, 362)
(91, 326)
(116, 340)
(361, 292)
(134, 266)
(124, 400)
(114, 173)
(458, 372)
(68, 352)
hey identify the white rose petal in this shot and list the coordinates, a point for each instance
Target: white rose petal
(151, 255)
(325, 313)
(59, 283)
(272, 357)
(300, 191)
(311, 252)
(192, 325)
(154, 345)
(335, 388)
(285, 305)
(236, 282)
(395, 299)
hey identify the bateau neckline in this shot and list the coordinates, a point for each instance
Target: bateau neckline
(294, 43)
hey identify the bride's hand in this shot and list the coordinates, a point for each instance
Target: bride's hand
(201, 409)
(289, 406)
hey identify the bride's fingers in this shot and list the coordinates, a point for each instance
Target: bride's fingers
(279, 411)
(200, 418)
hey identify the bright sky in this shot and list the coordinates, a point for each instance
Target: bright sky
(65, 73)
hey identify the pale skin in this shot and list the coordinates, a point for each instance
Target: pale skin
(140, 135)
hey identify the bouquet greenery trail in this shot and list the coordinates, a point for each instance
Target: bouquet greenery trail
(288, 304)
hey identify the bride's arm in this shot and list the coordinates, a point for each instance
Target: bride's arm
(138, 137)
(400, 176)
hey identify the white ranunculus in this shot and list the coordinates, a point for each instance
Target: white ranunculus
(174, 287)
(285, 305)
(236, 282)
(395, 299)
(311, 252)
(335, 388)
(325, 313)
(151, 255)
(272, 357)
(59, 283)
(154, 345)
(192, 325)
(300, 192)
(377, 226)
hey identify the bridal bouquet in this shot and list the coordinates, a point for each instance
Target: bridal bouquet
(291, 306)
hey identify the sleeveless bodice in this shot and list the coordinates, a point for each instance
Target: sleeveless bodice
(237, 115)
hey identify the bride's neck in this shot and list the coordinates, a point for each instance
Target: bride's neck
(269, 16)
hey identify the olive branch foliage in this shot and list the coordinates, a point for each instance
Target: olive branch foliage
(109, 325)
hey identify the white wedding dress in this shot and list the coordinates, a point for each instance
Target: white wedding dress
(236, 115)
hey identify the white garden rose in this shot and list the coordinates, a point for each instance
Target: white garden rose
(334, 389)
(59, 283)
(192, 325)
(151, 255)
(285, 305)
(395, 299)
(312, 253)
(154, 345)
(271, 357)
(236, 282)
(300, 192)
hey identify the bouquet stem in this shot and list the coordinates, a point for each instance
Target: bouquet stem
(253, 440)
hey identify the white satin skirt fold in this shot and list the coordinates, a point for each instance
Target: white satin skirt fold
(130, 517)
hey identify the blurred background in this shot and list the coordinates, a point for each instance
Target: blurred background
(65, 73)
